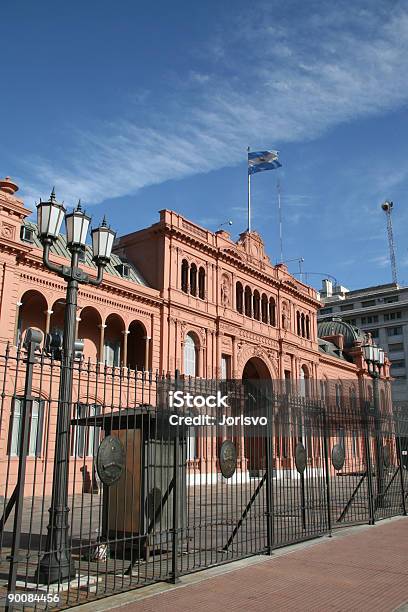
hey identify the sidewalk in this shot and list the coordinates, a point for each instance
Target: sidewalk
(359, 569)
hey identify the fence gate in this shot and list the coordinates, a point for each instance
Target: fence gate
(388, 470)
(165, 479)
(349, 465)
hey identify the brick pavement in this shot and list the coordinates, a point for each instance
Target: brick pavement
(365, 569)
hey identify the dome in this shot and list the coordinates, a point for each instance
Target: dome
(336, 326)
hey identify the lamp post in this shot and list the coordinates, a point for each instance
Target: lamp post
(375, 358)
(56, 565)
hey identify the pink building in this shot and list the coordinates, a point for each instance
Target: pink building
(178, 296)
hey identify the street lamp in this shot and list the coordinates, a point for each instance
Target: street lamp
(56, 565)
(375, 358)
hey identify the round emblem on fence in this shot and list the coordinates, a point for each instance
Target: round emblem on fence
(386, 456)
(110, 460)
(228, 458)
(338, 456)
(300, 458)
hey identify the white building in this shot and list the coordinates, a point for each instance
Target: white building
(381, 310)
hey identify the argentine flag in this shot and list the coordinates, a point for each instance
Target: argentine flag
(262, 160)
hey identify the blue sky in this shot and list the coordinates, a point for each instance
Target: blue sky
(134, 107)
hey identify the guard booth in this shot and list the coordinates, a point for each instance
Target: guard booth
(135, 463)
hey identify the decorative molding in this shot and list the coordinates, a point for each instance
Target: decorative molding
(194, 229)
(8, 231)
(246, 352)
(226, 290)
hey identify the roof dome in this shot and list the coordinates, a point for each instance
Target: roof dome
(335, 326)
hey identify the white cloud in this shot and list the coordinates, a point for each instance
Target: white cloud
(382, 261)
(271, 84)
(199, 77)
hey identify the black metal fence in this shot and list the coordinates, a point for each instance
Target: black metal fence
(157, 489)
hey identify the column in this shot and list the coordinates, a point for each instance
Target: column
(125, 346)
(18, 304)
(217, 355)
(77, 320)
(147, 352)
(213, 354)
(234, 365)
(101, 341)
(201, 365)
(48, 314)
(206, 367)
(177, 364)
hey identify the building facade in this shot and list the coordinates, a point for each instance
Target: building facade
(381, 311)
(175, 296)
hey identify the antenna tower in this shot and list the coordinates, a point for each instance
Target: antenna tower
(387, 208)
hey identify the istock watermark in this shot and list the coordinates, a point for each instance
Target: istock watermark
(180, 399)
(207, 419)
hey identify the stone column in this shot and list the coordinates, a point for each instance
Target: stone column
(147, 351)
(77, 320)
(125, 346)
(201, 371)
(101, 341)
(48, 314)
(178, 363)
(18, 304)
(217, 354)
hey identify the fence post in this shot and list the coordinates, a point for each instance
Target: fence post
(371, 509)
(327, 472)
(32, 341)
(398, 444)
(176, 459)
(379, 454)
(269, 477)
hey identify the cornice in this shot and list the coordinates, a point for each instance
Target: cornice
(345, 365)
(31, 261)
(18, 249)
(54, 283)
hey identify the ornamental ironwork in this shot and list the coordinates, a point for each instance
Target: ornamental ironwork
(110, 460)
(228, 458)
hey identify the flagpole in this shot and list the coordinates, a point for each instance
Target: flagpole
(249, 195)
(280, 220)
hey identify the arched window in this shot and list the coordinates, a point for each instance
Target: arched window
(35, 430)
(248, 302)
(302, 324)
(338, 395)
(257, 303)
(193, 279)
(323, 390)
(184, 276)
(190, 356)
(111, 353)
(272, 312)
(201, 283)
(298, 323)
(239, 297)
(304, 381)
(85, 440)
(264, 308)
(308, 327)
